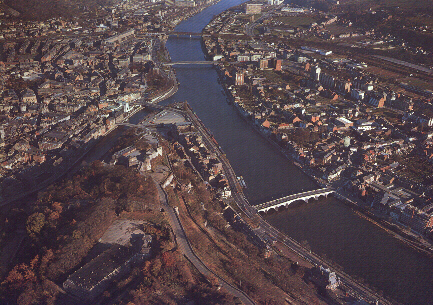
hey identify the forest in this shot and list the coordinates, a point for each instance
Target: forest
(46, 9)
(66, 221)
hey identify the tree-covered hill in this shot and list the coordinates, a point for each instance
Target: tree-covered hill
(46, 9)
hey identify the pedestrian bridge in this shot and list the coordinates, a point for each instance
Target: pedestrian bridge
(286, 201)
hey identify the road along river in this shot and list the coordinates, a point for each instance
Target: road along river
(330, 228)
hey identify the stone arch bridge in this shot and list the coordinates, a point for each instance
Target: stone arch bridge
(287, 200)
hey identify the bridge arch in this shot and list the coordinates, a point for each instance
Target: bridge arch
(274, 209)
(303, 197)
(299, 201)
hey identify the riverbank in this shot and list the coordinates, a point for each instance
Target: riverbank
(330, 226)
(169, 93)
(413, 241)
(359, 210)
(267, 233)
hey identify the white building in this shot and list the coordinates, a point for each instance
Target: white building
(275, 2)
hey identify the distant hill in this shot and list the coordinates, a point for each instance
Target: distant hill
(406, 5)
(46, 9)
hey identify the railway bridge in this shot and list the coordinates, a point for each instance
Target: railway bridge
(287, 200)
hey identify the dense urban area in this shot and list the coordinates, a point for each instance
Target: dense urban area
(363, 127)
(342, 89)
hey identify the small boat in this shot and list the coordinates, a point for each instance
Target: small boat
(242, 182)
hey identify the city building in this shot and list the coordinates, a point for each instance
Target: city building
(239, 79)
(253, 8)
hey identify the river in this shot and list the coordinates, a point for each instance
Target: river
(331, 228)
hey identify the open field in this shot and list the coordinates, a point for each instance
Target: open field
(391, 115)
(296, 21)
(336, 29)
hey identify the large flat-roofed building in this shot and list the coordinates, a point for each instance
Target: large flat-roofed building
(119, 38)
(92, 279)
(185, 3)
(253, 8)
(127, 244)
(297, 10)
(343, 122)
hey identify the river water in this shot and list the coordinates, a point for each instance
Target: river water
(331, 228)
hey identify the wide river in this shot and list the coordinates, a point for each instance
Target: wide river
(330, 227)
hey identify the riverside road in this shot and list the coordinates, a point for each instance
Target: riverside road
(265, 229)
(329, 226)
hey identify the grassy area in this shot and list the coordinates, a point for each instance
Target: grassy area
(296, 21)
(421, 20)
(336, 29)
(418, 83)
(45, 9)
(273, 77)
(390, 115)
(418, 170)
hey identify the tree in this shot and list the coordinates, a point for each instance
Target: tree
(35, 223)
(22, 274)
(156, 267)
(168, 259)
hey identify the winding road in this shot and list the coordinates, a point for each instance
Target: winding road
(185, 248)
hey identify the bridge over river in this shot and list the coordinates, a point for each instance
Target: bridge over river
(197, 62)
(205, 62)
(264, 207)
(287, 200)
(175, 33)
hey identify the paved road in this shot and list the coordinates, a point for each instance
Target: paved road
(185, 248)
(250, 28)
(265, 230)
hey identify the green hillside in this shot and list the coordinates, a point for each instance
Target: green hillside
(46, 9)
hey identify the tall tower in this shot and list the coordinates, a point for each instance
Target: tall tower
(315, 73)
